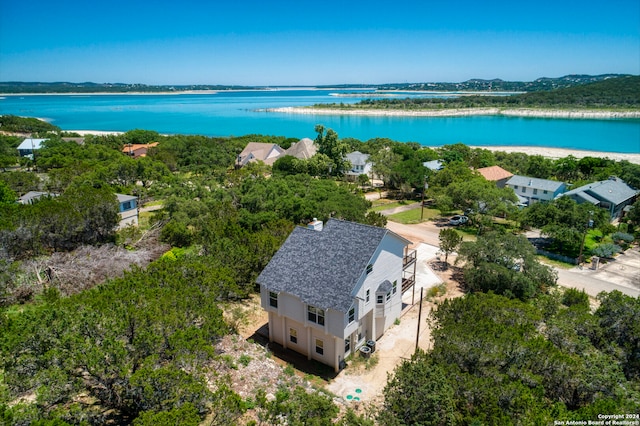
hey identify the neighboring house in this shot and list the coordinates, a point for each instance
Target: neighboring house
(29, 146)
(303, 149)
(33, 196)
(360, 165)
(495, 174)
(531, 190)
(434, 165)
(137, 150)
(128, 208)
(258, 151)
(330, 289)
(612, 194)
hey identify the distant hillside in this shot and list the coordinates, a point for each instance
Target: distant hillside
(473, 85)
(65, 87)
(621, 92)
(497, 85)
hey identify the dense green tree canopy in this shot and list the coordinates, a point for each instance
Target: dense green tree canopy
(504, 264)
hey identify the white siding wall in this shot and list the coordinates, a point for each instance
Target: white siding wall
(292, 312)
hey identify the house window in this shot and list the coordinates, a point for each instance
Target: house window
(315, 315)
(273, 299)
(388, 296)
(515, 186)
(369, 268)
(293, 335)
(126, 205)
(347, 344)
(367, 296)
(535, 191)
(319, 347)
(352, 315)
(524, 189)
(380, 299)
(395, 287)
(544, 192)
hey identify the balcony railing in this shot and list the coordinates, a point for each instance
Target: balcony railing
(407, 282)
(409, 258)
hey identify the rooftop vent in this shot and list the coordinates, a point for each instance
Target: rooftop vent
(316, 224)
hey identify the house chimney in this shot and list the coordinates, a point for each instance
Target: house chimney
(530, 182)
(316, 225)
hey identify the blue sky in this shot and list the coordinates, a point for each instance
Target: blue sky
(305, 43)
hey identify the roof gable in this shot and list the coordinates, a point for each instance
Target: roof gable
(303, 149)
(266, 152)
(323, 267)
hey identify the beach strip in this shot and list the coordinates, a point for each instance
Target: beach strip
(555, 153)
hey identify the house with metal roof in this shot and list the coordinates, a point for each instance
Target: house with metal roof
(33, 196)
(612, 194)
(332, 288)
(532, 190)
(28, 146)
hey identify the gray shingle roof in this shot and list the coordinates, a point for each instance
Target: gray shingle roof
(530, 182)
(357, 158)
(612, 190)
(323, 267)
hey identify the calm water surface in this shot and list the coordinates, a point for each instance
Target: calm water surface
(241, 113)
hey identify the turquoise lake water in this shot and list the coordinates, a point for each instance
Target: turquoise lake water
(241, 113)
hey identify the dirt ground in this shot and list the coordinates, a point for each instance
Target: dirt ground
(361, 383)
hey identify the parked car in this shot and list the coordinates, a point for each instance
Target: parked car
(458, 220)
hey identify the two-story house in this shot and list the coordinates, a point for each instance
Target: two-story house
(329, 289)
(531, 190)
(360, 165)
(612, 194)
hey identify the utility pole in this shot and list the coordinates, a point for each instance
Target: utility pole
(419, 320)
(426, 185)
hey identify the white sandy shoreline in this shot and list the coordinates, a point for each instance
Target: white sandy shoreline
(463, 112)
(555, 153)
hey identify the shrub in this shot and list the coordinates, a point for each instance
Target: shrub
(617, 237)
(606, 250)
(574, 297)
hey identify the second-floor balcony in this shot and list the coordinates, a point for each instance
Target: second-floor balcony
(409, 258)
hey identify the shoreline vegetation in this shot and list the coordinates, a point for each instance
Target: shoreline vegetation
(577, 113)
(553, 153)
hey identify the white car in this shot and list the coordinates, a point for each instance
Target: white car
(458, 220)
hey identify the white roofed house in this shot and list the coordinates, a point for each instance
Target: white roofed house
(28, 146)
(330, 289)
(360, 165)
(531, 190)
